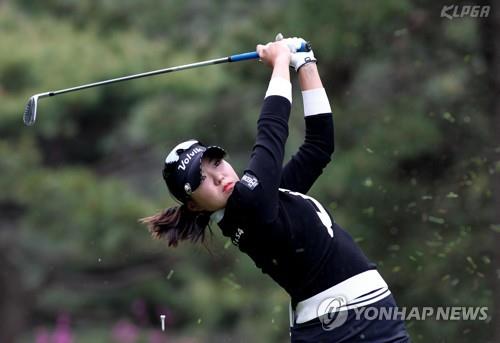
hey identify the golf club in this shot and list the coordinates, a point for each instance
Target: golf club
(29, 116)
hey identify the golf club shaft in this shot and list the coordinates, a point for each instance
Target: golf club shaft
(29, 115)
(233, 58)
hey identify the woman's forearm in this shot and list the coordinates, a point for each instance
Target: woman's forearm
(309, 77)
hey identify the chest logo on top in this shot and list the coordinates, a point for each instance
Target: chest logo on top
(250, 181)
(237, 236)
(189, 156)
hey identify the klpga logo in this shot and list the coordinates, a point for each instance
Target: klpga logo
(456, 11)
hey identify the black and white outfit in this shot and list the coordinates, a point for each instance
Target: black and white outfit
(291, 237)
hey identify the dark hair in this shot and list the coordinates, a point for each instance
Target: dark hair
(178, 223)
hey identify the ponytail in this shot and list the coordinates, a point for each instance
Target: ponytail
(178, 224)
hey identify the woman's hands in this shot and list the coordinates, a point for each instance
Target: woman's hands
(283, 53)
(274, 53)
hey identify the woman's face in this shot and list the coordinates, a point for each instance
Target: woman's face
(217, 181)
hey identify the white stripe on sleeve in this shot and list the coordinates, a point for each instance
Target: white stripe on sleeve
(280, 86)
(315, 102)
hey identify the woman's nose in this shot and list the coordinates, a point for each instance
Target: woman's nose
(218, 179)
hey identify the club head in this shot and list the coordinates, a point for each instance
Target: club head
(29, 116)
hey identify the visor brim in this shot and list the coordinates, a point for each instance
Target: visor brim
(213, 152)
(194, 172)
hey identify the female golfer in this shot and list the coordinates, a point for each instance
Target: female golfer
(267, 214)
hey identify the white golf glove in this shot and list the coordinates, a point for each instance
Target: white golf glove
(298, 59)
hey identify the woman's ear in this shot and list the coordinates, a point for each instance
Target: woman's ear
(192, 206)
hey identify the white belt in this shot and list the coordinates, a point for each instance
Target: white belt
(359, 290)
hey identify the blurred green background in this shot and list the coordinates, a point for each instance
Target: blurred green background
(414, 179)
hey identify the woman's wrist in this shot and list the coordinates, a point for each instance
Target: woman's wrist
(281, 68)
(308, 67)
(283, 59)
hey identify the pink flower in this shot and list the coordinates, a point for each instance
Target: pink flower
(42, 335)
(125, 332)
(62, 332)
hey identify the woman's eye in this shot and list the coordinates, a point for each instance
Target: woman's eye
(217, 163)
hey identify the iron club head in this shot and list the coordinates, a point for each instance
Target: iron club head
(30, 111)
(29, 116)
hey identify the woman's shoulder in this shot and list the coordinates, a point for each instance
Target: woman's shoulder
(246, 191)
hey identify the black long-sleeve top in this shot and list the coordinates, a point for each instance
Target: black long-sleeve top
(289, 235)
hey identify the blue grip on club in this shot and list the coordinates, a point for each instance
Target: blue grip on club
(244, 56)
(254, 55)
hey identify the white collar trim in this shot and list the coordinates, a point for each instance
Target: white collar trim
(217, 215)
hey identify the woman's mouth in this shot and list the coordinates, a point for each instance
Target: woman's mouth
(227, 187)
